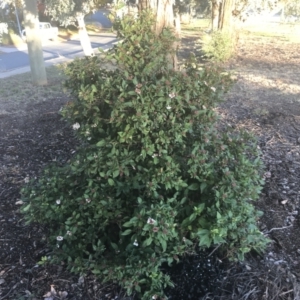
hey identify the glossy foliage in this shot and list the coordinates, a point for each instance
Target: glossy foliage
(155, 175)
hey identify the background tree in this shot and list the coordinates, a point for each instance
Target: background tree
(3, 29)
(162, 9)
(290, 8)
(72, 12)
(226, 13)
(36, 59)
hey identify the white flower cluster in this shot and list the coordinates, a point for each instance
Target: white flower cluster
(151, 221)
(172, 95)
(76, 126)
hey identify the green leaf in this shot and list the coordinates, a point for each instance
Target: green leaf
(111, 182)
(218, 240)
(188, 242)
(192, 217)
(194, 186)
(126, 232)
(170, 260)
(26, 208)
(205, 240)
(127, 224)
(116, 173)
(147, 242)
(115, 246)
(203, 185)
(137, 288)
(163, 244)
(101, 143)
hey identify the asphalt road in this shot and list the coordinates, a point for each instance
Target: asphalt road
(14, 61)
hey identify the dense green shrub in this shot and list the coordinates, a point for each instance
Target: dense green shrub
(10, 38)
(155, 175)
(218, 46)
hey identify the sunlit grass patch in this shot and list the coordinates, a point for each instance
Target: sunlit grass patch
(284, 31)
(196, 25)
(18, 90)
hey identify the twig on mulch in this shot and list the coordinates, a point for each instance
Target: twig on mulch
(279, 228)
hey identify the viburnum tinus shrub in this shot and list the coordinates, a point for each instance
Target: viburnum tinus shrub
(155, 175)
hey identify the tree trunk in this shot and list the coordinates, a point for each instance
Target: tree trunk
(215, 14)
(177, 25)
(163, 11)
(34, 44)
(225, 15)
(164, 15)
(227, 22)
(146, 4)
(83, 36)
(18, 21)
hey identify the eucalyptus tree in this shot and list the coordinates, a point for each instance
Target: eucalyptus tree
(33, 39)
(34, 44)
(72, 12)
(225, 13)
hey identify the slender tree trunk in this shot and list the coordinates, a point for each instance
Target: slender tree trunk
(227, 22)
(215, 14)
(83, 36)
(34, 44)
(18, 21)
(177, 25)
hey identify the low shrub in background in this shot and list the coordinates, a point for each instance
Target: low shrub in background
(3, 30)
(155, 176)
(218, 46)
(11, 38)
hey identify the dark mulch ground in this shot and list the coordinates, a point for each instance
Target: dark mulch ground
(265, 101)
